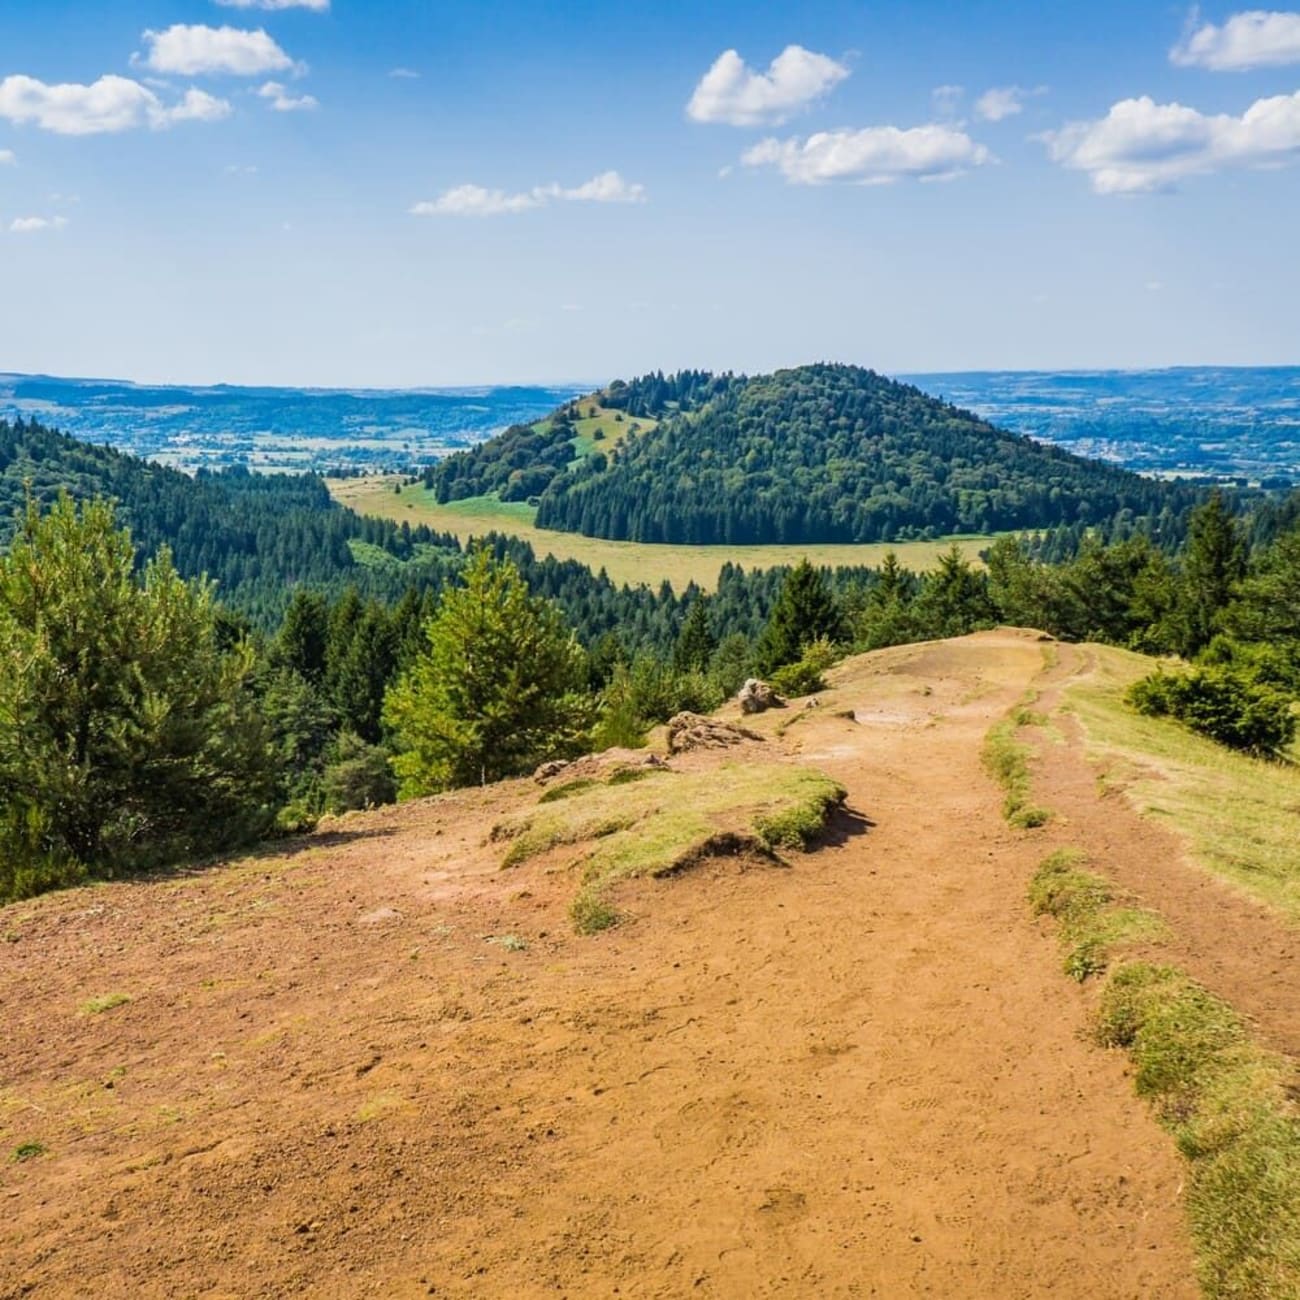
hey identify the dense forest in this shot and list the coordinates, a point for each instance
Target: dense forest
(824, 453)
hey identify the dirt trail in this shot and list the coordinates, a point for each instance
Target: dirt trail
(1237, 946)
(862, 1075)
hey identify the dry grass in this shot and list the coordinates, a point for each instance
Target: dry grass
(1236, 813)
(625, 562)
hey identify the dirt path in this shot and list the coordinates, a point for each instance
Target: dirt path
(860, 1076)
(1237, 946)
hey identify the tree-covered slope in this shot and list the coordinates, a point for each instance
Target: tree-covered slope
(823, 453)
(256, 535)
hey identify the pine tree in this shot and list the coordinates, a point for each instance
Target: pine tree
(1214, 561)
(804, 612)
(497, 689)
(696, 642)
(127, 734)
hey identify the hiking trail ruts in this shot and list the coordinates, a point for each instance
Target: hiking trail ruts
(859, 1075)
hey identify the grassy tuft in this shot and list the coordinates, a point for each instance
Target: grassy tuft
(1226, 1103)
(1007, 761)
(97, 1005)
(657, 828)
(1091, 926)
(568, 789)
(28, 1151)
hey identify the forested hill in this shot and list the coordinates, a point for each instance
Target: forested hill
(823, 453)
(256, 535)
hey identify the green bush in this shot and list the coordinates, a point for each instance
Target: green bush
(806, 676)
(1224, 703)
(359, 775)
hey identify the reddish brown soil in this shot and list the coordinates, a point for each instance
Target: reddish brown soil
(860, 1075)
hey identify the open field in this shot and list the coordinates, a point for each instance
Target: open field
(382, 1061)
(625, 562)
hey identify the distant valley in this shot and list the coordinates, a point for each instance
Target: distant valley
(1196, 421)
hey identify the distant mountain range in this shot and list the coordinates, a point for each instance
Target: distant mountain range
(1206, 421)
(1200, 421)
(315, 429)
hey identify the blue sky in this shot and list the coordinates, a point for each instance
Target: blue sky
(344, 193)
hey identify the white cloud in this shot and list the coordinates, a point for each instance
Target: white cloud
(192, 50)
(32, 225)
(110, 104)
(1255, 39)
(734, 93)
(7, 157)
(316, 6)
(477, 201)
(999, 103)
(284, 102)
(875, 155)
(1140, 146)
(405, 74)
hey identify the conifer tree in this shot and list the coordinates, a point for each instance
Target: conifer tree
(804, 612)
(497, 688)
(127, 733)
(696, 642)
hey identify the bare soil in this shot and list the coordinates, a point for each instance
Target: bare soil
(374, 1064)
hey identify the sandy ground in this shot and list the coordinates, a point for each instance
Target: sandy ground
(861, 1074)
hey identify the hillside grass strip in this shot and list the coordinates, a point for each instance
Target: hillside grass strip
(1226, 1101)
(1007, 760)
(1237, 814)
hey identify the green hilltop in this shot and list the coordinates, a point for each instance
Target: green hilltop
(815, 454)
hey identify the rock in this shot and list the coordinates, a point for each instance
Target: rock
(758, 697)
(549, 771)
(689, 731)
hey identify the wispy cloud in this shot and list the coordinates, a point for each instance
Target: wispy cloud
(1001, 102)
(284, 102)
(946, 100)
(405, 74)
(875, 155)
(108, 105)
(33, 225)
(194, 49)
(732, 92)
(478, 201)
(7, 158)
(1255, 39)
(1141, 146)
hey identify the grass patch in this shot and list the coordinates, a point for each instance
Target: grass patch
(634, 563)
(660, 827)
(96, 1006)
(1092, 926)
(568, 789)
(28, 1151)
(1236, 813)
(1225, 1101)
(1007, 761)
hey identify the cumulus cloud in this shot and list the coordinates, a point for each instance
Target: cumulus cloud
(875, 155)
(1255, 39)
(33, 225)
(316, 6)
(284, 102)
(1141, 146)
(192, 49)
(477, 201)
(732, 92)
(1001, 102)
(110, 104)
